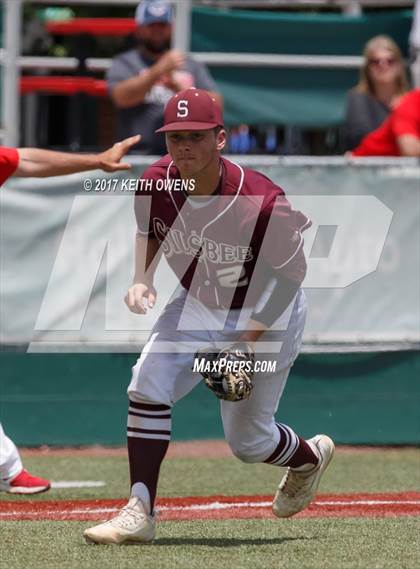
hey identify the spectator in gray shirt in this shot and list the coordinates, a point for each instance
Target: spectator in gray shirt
(382, 83)
(142, 80)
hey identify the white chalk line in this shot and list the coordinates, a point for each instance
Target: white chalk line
(212, 506)
(59, 484)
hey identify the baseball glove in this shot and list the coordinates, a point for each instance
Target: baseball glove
(227, 373)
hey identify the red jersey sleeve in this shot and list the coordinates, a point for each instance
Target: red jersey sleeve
(379, 142)
(406, 117)
(9, 160)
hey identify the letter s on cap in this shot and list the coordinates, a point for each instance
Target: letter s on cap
(182, 107)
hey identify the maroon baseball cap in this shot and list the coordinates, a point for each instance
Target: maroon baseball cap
(191, 109)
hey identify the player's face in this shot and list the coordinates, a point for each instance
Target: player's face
(194, 151)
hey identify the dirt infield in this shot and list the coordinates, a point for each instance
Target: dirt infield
(179, 449)
(219, 507)
(183, 449)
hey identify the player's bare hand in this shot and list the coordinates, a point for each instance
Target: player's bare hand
(171, 60)
(140, 297)
(110, 160)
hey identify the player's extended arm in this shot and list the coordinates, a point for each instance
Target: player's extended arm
(286, 263)
(409, 145)
(39, 163)
(142, 294)
(132, 91)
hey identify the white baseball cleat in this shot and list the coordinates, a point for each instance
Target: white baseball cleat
(297, 489)
(132, 525)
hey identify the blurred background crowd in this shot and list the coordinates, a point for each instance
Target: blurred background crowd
(294, 78)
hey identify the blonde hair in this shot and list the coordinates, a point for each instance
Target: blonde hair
(365, 84)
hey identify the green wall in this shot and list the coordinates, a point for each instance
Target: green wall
(295, 33)
(303, 97)
(69, 399)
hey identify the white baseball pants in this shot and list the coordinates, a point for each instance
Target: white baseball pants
(163, 373)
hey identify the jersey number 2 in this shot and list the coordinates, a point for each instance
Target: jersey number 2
(232, 276)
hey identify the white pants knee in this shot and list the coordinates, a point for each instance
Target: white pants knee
(249, 426)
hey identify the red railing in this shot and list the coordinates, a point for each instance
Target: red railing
(63, 85)
(93, 26)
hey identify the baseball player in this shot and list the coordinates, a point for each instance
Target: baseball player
(236, 246)
(35, 162)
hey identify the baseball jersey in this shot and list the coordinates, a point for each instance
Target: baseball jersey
(9, 160)
(404, 119)
(215, 249)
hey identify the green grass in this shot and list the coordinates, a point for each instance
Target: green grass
(391, 470)
(356, 543)
(250, 544)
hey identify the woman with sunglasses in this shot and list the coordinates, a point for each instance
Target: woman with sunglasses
(382, 82)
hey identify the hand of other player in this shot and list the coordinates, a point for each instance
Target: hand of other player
(110, 160)
(140, 297)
